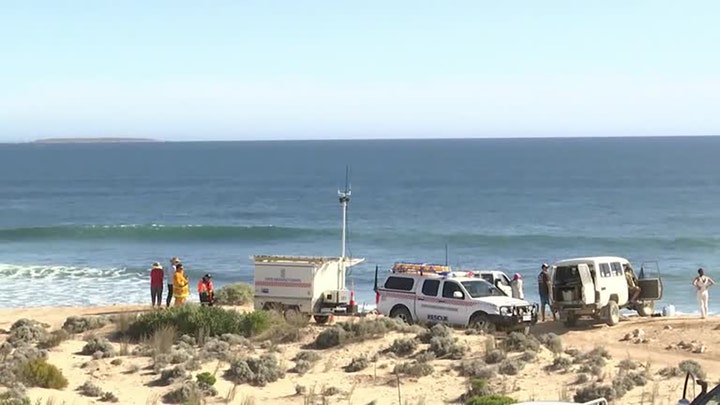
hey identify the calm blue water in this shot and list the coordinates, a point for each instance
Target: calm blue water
(80, 224)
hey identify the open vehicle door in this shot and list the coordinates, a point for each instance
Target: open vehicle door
(703, 397)
(588, 286)
(650, 282)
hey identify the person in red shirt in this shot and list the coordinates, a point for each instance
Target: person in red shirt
(157, 281)
(206, 291)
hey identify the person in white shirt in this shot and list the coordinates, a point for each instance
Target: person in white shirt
(517, 287)
(702, 283)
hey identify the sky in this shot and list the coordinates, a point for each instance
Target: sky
(271, 69)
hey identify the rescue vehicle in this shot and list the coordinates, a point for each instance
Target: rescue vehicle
(431, 293)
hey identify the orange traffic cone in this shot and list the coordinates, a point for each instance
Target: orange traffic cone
(352, 302)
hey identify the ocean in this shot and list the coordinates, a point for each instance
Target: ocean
(82, 223)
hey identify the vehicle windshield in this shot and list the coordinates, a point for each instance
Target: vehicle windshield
(481, 288)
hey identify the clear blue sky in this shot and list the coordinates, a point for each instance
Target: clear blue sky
(272, 69)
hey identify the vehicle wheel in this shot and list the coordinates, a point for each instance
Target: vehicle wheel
(613, 313)
(402, 313)
(646, 308)
(571, 320)
(293, 316)
(482, 323)
(321, 319)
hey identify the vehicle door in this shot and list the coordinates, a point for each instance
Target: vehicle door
(607, 284)
(588, 286)
(502, 282)
(427, 305)
(650, 282)
(451, 303)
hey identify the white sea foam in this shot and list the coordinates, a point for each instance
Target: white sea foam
(41, 286)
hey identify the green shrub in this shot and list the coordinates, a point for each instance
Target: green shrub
(196, 320)
(491, 400)
(403, 347)
(518, 342)
(39, 373)
(82, 324)
(235, 294)
(357, 364)
(446, 346)
(255, 371)
(206, 378)
(53, 339)
(90, 389)
(691, 366)
(414, 369)
(99, 347)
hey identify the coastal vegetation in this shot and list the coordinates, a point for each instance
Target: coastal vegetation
(190, 351)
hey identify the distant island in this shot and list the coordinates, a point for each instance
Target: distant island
(94, 140)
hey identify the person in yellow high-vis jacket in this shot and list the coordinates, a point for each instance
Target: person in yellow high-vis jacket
(181, 285)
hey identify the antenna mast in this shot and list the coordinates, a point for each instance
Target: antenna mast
(344, 197)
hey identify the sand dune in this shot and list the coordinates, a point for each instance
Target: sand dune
(130, 378)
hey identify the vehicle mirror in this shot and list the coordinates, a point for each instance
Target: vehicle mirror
(457, 294)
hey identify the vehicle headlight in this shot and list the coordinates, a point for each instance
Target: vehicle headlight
(505, 311)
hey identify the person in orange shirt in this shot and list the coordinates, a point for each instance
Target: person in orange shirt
(206, 291)
(181, 286)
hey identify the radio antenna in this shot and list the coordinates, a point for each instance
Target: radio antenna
(344, 197)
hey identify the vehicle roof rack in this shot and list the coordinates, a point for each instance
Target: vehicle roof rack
(421, 268)
(295, 259)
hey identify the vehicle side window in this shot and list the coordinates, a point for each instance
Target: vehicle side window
(605, 270)
(399, 283)
(449, 287)
(431, 287)
(488, 278)
(504, 280)
(617, 269)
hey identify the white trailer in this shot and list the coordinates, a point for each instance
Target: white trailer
(303, 285)
(307, 285)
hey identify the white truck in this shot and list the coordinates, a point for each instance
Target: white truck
(297, 285)
(598, 287)
(306, 286)
(498, 278)
(427, 293)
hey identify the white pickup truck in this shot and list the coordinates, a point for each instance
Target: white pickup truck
(435, 294)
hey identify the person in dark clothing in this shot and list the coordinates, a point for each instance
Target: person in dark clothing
(544, 288)
(156, 284)
(173, 262)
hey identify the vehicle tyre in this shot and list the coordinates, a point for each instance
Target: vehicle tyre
(646, 308)
(293, 316)
(613, 313)
(321, 319)
(571, 320)
(402, 313)
(482, 323)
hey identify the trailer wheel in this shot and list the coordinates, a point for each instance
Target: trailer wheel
(321, 319)
(402, 313)
(294, 316)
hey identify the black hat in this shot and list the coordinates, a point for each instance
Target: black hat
(207, 276)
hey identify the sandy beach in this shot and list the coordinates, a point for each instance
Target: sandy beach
(637, 345)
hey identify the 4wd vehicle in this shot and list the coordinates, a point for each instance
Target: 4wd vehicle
(432, 293)
(598, 287)
(497, 278)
